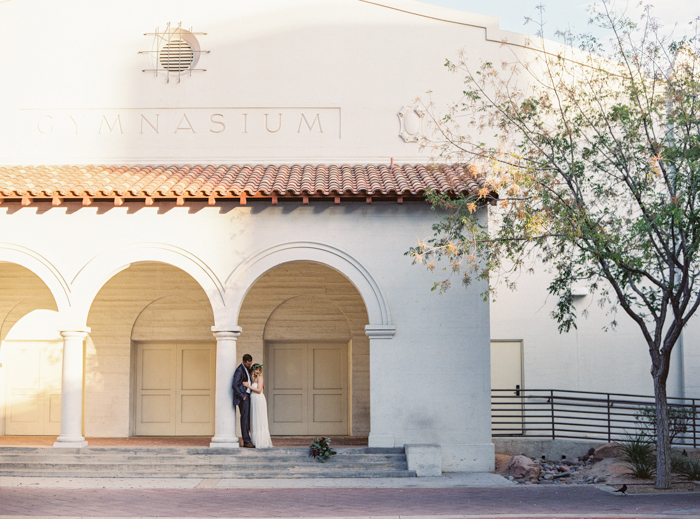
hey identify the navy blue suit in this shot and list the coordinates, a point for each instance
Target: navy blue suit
(241, 398)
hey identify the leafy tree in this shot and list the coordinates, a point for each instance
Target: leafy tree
(593, 167)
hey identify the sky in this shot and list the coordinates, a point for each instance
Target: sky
(568, 14)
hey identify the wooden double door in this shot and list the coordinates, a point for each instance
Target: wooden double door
(307, 388)
(174, 392)
(33, 387)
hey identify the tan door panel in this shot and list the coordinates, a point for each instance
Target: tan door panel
(328, 395)
(196, 373)
(307, 388)
(175, 389)
(287, 387)
(155, 389)
(33, 388)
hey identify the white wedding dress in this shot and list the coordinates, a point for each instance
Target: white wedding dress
(259, 430)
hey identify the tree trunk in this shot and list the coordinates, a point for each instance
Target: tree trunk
(663, 441)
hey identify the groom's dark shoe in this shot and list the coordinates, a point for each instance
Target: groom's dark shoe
(249, 445)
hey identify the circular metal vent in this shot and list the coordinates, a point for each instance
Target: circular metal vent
(176, 55)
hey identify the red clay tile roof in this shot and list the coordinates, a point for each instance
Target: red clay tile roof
(200, 181)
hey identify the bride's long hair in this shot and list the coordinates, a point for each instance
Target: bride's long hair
(254, 368)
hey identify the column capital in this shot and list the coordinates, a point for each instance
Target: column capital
(380, 331)
(78, 333)
(228, 332)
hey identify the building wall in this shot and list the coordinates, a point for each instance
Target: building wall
(594, 357)
(353, 64)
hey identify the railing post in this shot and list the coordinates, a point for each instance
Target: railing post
(609, 427)
(551, 399)
(695, 418)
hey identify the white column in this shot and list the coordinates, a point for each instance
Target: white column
(72, 390)
(381, 432)
(225, 417)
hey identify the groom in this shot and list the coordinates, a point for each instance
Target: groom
(241, 397)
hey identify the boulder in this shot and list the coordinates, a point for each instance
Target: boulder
(609, 450)
(524, 468)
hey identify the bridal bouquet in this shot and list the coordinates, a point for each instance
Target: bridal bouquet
(320, 449)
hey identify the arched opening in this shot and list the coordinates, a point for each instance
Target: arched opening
(30, 354)
(306, 322)
(150, 356)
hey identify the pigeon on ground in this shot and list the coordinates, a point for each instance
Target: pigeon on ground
(684, 453)
(622, 489)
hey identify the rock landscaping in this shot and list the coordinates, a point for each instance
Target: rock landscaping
(603, 465)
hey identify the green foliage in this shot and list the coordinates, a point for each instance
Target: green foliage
(639, 455)
(320, 449)
(680, 420)
(687, 468)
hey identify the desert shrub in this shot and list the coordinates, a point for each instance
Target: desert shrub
(680, 419)
(640, 456)
(685, 467)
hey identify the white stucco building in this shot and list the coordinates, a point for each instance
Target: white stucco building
(183, 183)
(183, 186)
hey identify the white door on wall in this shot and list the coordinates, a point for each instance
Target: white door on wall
(33, 387)
(175, 389)
(307, 388)
(507, 374)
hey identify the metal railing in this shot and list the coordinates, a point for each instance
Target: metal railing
(557, 413)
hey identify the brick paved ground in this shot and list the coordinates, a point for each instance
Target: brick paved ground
(342, 502)
(173, 441)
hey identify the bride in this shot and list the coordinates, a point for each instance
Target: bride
(259, 431)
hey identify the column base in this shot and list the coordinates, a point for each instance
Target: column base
(426, 460)
(224, 442)
(477, 457)
(70, 444)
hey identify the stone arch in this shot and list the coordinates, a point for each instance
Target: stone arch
(310, 316)
(43, 269)
(152, 306)
(286, 311)
(93, 276)
(244, 277)
(179, 308)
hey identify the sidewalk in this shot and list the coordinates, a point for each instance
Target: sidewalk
(451, 496)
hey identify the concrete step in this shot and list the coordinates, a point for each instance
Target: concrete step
(231, 462)
(290, 462)
(259, 474)
(49, 454)
(184, 466)
(203, 451)
(196, 460)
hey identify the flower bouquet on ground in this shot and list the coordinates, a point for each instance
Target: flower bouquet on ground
(321, 450)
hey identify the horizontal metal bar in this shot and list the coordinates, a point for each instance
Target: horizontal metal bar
(544, 413)
(570, 391)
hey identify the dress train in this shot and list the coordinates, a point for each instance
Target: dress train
(259, 430)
